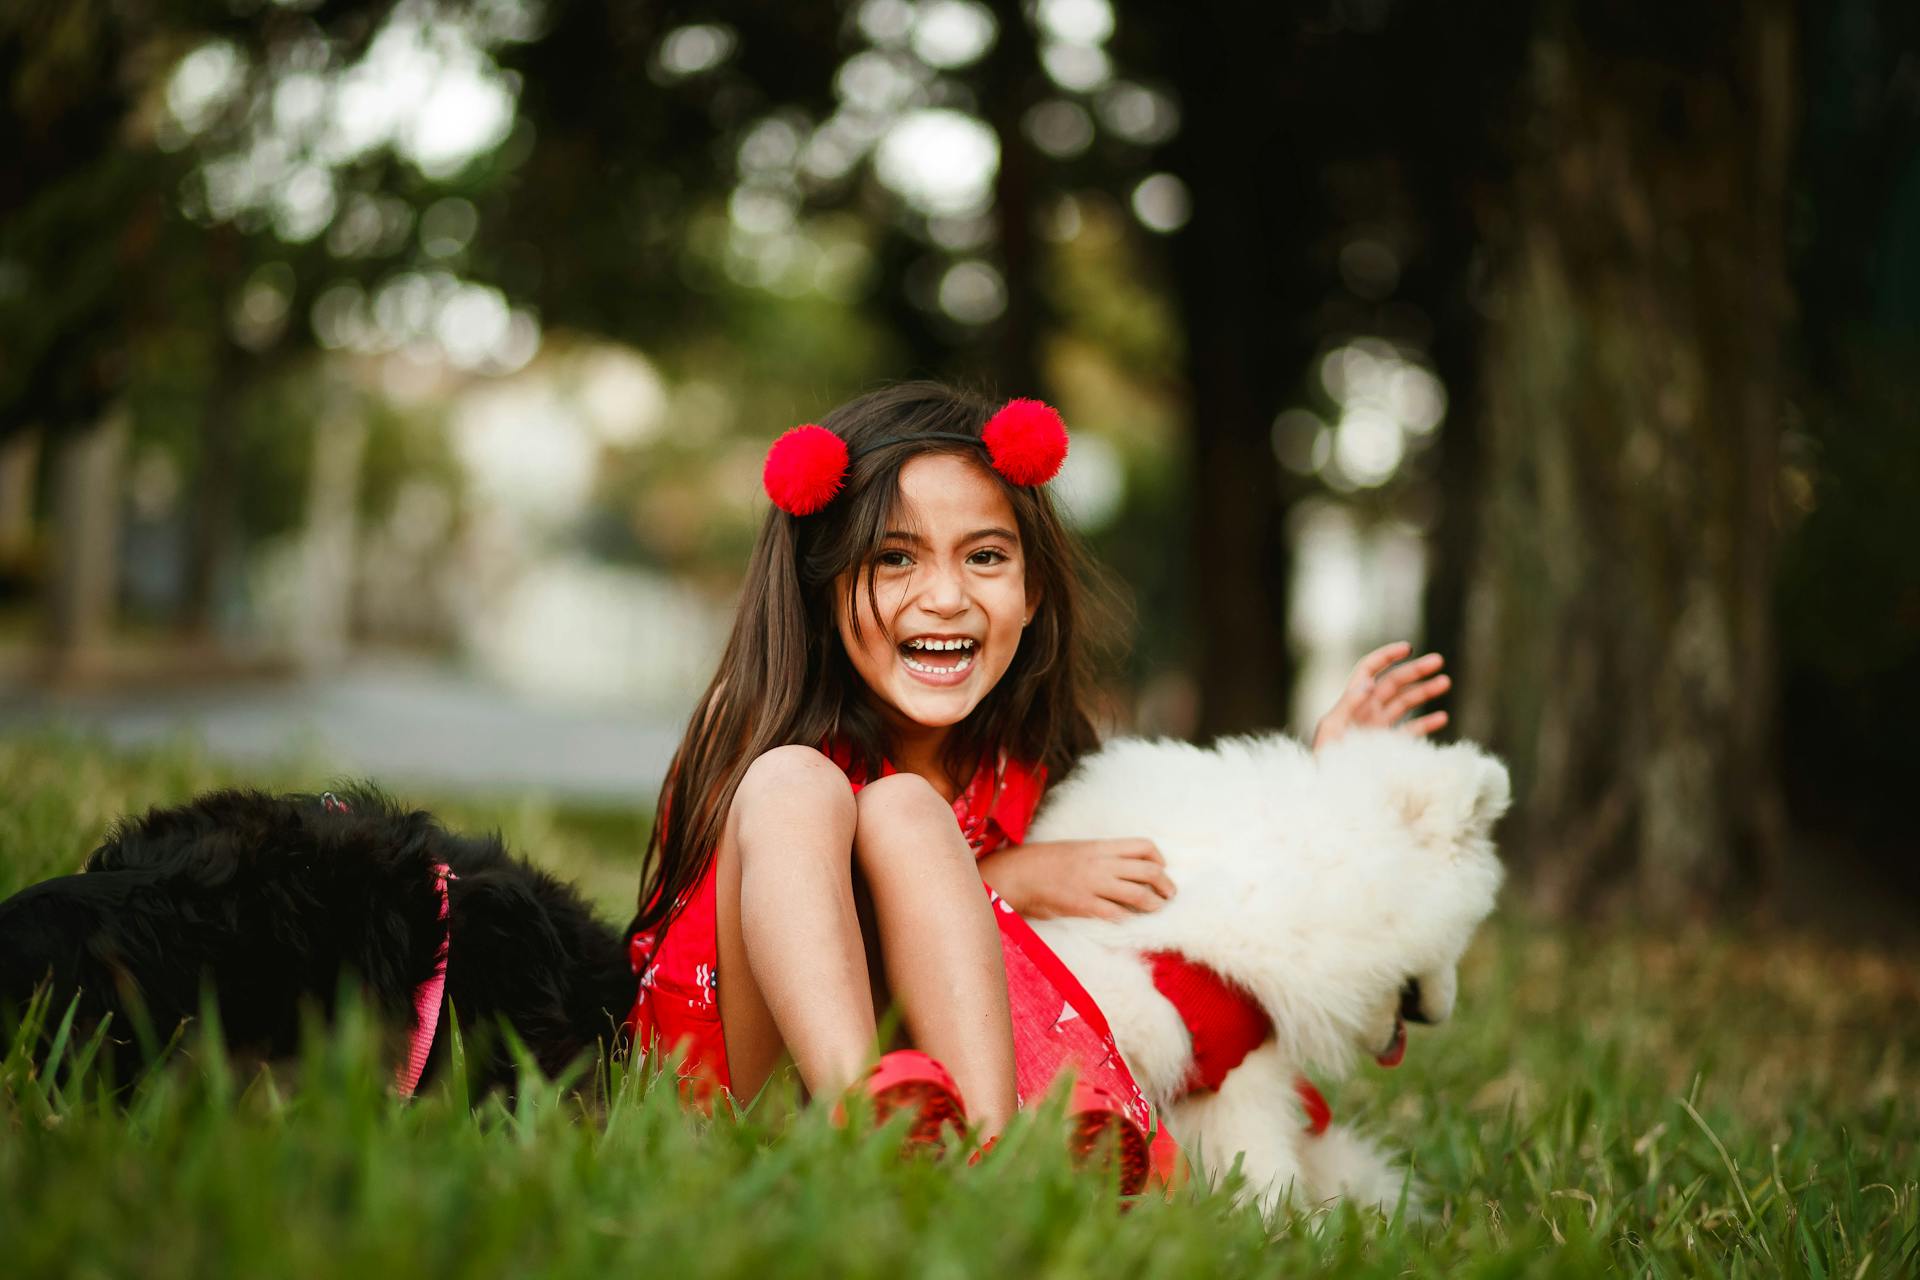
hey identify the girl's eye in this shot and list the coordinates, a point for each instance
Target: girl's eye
(901, 560)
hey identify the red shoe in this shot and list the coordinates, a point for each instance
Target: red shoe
(907, 1078)
(1099, 1127)
(1167, 1167)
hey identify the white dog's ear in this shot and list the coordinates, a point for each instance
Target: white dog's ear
(1455, 795)
(1494, 793)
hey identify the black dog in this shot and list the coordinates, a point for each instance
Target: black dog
(268, 902)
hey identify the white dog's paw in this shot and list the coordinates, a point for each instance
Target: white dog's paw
(1341, 1163)
(1253, 1122)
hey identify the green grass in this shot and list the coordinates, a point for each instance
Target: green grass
(1666, 1105)
(59, 793)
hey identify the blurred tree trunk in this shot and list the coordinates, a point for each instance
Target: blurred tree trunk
(1013, 82)
(84, 578)
(1620, 647)
(1243, 297)
(1454, 77)
(19, 460)
(332, 534)
(210, 546)
(214, 522)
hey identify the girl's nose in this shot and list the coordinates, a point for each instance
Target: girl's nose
(946, 590)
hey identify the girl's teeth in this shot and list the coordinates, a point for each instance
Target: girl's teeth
(955, 669)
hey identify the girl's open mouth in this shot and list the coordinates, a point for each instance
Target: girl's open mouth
(939, 659)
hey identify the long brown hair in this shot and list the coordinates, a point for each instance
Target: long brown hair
(785, 677)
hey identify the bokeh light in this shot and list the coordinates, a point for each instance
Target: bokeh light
(1060, 128)
(939, 161)
(952, 33)
(972, 292)
(695, 49)
(1162, 203)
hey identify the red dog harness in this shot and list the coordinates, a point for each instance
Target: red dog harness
(1226, 1025)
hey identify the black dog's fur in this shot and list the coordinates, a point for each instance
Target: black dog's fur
(268, 902)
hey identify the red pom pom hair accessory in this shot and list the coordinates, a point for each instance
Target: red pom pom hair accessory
(805, 468)
(1026, 441)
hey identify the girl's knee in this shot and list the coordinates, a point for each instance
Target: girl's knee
(901, 797)
(790, 781)
(793, 768)
(904, 811)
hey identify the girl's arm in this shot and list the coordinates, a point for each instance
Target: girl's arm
(1109, 878)
(1379, 693)
(1105, 878)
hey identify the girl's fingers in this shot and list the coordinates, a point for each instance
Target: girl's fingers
(1148, 874)
(1385, 656)
(1413, 696)
(1134, 897)
(1398, 678)
(1369, 667)
(1426, 724)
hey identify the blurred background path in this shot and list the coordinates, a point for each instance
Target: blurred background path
(399, 721)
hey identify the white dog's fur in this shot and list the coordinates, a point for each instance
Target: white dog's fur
(1319, 885)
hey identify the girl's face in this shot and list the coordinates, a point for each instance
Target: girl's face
(949, 596)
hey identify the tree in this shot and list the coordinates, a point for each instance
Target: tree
(103, 272)
(1849, 589)
(77, 216)
(1620, 639)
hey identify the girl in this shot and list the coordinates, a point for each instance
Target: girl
(907, 667)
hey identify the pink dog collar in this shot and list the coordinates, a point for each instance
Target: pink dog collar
(426, 997)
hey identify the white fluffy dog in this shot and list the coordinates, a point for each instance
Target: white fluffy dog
(1337, 890)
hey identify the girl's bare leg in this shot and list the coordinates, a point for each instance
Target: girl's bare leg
(939, 939)
(792, 962)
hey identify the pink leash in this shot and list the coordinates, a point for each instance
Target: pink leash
(426, 997)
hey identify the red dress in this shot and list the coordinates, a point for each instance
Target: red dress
(1055, 1022)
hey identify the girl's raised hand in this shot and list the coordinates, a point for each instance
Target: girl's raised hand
(1105, 878)
(1380, 692)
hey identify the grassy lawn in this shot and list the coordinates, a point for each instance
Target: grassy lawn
(1673, 1104)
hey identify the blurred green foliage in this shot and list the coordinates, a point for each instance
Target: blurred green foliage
(607, 210)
